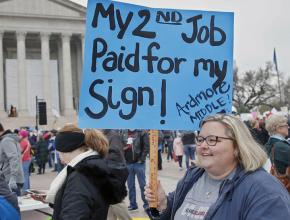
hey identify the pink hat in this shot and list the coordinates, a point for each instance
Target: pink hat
(23, 133)
(47, 136)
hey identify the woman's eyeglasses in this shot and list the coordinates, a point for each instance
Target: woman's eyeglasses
(211, 140)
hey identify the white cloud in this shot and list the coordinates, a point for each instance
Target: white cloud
(260, 25)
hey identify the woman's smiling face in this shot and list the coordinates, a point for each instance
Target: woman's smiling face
(218, 160)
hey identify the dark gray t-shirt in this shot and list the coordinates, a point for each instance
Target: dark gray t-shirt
(200, 197)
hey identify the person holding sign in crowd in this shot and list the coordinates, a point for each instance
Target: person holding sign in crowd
(89, 183)
(139, 63)
(228, 181)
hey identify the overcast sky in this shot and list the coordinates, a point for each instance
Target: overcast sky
(260, 25)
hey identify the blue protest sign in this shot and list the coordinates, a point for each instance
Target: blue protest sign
(154, 68)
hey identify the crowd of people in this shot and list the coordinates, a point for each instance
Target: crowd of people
(224, 177)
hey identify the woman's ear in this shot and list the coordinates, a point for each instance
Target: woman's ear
(236, 153)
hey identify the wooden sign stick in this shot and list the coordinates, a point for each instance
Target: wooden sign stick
(153, 165)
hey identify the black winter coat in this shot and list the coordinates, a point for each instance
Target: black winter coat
(188, 138)
(41, 155)
(140, 148)
(90, 187)
(116, 146)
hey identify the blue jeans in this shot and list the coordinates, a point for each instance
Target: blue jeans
(26, 165)
(189, 151)
(169, 150)
(139, 170)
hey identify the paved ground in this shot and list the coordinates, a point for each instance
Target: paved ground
(168, 177)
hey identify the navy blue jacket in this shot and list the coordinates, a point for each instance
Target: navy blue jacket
(248, 196)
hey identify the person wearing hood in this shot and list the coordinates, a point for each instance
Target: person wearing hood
(10, 160)
(9, 208)
(89, 183)
(228, 181)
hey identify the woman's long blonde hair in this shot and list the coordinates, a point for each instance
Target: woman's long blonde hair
(250, 154)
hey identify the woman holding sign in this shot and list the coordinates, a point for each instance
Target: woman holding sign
(228, 181)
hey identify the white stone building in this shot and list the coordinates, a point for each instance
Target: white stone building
(41, 54)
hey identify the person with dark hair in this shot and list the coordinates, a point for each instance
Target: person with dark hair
(10, 160)
(116, 157)
(168, 137)
(188, 140)
(115, 151)
(135, 150)
(8, 202)
(41, 154)
(89, 183)
(264, 135)
(258, 131)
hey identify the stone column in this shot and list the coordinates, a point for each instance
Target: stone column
(60, 76)
(22, 78)
(2, 110)
(67, 75)
(45, 71)
(82, 61)
(79, 66)
(83, 46)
